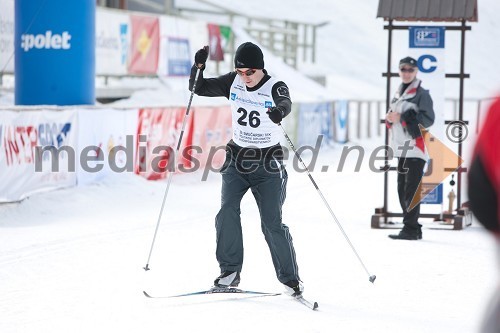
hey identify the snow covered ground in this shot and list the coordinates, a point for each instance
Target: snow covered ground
(71, 261)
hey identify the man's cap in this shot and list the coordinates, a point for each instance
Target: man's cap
(249, 55)
(408, 61)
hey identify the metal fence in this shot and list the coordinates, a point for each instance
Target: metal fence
(365, 117)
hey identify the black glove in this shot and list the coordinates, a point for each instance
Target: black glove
(414, 130)
(410, 118)
(201, 56)
(275, 114)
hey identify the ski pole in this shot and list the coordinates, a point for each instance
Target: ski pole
(371, 278)
(169, 176)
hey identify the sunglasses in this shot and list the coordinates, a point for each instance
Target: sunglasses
(249, 72)
(407, 70)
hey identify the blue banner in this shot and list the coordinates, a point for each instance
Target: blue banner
(341, 121)
(314, 119)
(54, 52)
(427, 37)
(179, 57)
(435, 196)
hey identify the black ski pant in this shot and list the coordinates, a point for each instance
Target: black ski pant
(410, 172)
(267, 179)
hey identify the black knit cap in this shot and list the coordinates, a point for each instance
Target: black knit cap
(249, 55)
(408, 61)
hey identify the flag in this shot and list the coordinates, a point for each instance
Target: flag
(145, 44)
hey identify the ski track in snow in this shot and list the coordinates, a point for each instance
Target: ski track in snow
(72, 261)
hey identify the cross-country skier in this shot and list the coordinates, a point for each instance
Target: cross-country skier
(254, 160)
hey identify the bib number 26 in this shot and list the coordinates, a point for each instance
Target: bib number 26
(253, 118)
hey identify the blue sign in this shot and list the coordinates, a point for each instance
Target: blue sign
(124, 42)
(54, 52)
(433, 197)
(179, 57)
(427, 37)
(314, 119)
(341, 118)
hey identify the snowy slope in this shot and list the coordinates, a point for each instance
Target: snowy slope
(72, 262)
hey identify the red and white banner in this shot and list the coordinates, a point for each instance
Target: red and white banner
(214, 37)
(158, 133)
(211, 132)
(106, 143)
(145, 44)
(37, 152)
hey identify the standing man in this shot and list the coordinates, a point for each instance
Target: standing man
(410, 107)
(254, 160)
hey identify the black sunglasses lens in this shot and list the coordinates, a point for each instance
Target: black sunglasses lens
(246, 73)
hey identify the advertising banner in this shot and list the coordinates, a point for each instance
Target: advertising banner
(226, 33)
(198, 36)
(341, 121)
(175, 48)
(112, 42)
(214, 37)
(158, 133)
(36, 152)
(106, 143)
(315, 119)
(55, 53)
(434, 195)
(178, 57)
(145, 44)
(211, 132)
(7, 36)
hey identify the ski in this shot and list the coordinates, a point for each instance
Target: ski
(215, 290)
(299, 298)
